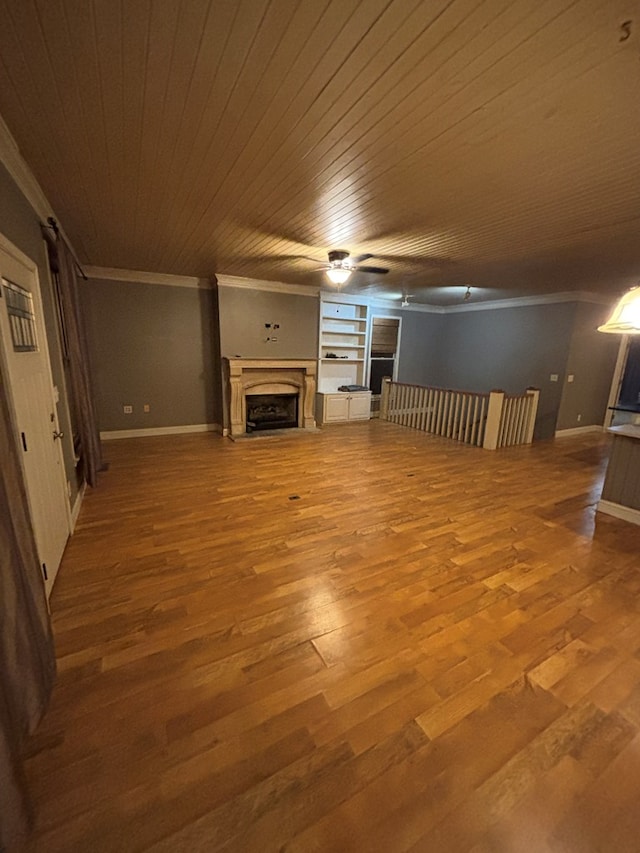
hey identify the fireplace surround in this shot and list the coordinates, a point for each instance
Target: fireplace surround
(248, 377)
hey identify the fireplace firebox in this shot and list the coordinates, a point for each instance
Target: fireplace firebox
(272, 411)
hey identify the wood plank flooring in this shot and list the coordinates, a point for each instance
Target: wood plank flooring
(367, 639)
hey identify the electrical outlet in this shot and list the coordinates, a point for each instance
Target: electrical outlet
(146, 408)
(570, 377)
(554, 377)
(579, 418)
(128, 410)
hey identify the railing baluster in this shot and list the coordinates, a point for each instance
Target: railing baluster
(513, 433)
(482, 422)
(462, 415)
(445, 413)
(467, 436)
(424, 393)
(436, 429)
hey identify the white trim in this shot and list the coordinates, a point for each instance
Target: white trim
(522, 301)
(19, 170)
(26, 181)
(75, 509)
(425, 309)
(259, 284)
(109, 435)
(140, 277)
(495, 304)
(396, 359)
(566, 433)
(626, 513)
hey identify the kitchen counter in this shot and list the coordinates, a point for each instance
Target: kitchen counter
(621, 490)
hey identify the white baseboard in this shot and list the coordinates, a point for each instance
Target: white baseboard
(109, 435)
(565, 433)
(626, 513)
(75, 509)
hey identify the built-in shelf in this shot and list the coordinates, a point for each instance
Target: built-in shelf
(344, 319)
(344, 328)
(342, 332)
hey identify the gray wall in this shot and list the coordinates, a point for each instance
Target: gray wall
(20, 224)
(421, 346)
(153, 344)
(591, 361)
(244, 312)
(506, 348)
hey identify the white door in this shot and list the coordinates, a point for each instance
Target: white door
(26, 366)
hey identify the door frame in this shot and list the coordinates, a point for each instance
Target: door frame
(8, 248)
(380, 316)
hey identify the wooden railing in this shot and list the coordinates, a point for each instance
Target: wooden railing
(484, 420)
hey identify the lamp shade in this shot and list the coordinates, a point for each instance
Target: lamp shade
(625, 319)
(338, 275)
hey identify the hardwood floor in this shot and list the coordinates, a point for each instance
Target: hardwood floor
(368, 639)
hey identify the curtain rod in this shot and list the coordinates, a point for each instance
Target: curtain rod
(53, 226)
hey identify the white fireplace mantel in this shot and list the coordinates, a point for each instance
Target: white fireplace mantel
(249, 376)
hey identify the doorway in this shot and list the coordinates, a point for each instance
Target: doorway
(383, 358)
(25, 364)
(624, 398)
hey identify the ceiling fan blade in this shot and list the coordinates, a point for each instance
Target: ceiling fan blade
(376, 270)
(359, 258)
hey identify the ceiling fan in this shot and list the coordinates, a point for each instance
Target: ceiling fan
(341, 265)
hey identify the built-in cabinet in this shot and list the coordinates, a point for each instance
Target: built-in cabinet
(343, 406)
(342, 360)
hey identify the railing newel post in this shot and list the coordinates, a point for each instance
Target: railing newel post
(384, 398)
(531, 414)
(494, 416)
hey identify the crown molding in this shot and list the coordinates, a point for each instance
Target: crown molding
(17, 167)
(259, 284)
(524, 301)
(415, 308)
(140, 277)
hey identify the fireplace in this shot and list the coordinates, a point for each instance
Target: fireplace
(251, 378)
(271, 411)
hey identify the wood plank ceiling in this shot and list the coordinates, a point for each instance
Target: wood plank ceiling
(492, 143)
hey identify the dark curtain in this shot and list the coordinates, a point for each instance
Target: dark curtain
(63, 266)
(27, 660)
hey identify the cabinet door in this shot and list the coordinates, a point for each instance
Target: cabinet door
(360, 406)
(336, 407)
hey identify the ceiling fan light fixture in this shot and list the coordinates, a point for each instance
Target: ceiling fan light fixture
(625, 319)
(338, 275)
